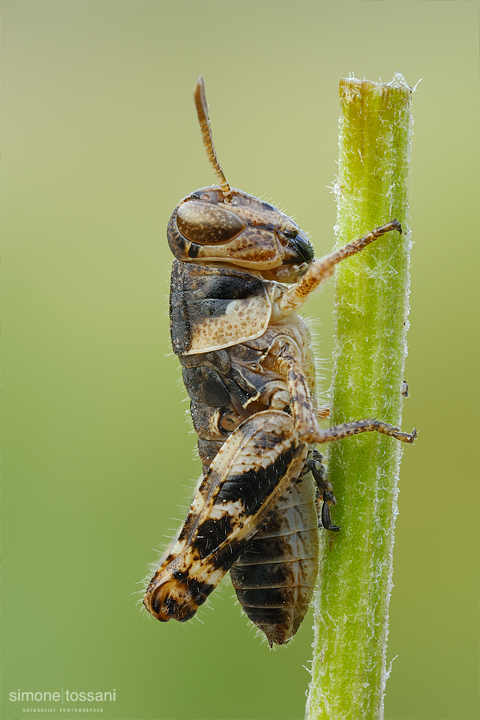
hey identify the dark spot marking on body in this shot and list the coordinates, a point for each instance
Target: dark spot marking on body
(264, 575)
(224, 559)
(188, 526)
(179, 575)
(187, 616)
(205, 385)
(265, 442)
(199, 591)
(211, 534)
(193, 250)
(207, 450)
(232, 287)
(171, 606)
(267, 616)
(265, 598)
(274, 548)
(255, 485)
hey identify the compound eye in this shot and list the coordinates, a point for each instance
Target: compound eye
(207, 224)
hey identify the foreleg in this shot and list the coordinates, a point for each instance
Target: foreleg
(321, 269)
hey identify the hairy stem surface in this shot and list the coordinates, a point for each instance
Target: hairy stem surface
(371, 307)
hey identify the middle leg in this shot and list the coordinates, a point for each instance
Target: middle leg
(324, 496)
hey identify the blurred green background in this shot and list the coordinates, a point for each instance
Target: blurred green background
(100, 142)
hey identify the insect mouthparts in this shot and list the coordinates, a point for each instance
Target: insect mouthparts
(304, 247)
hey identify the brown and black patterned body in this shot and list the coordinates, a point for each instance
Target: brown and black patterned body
(241, 272)
(275, 574)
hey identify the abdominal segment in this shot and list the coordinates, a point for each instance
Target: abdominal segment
(274, 576)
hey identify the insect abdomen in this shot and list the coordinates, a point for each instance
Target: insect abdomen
(275, 575)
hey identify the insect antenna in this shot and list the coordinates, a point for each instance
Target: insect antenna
(202, 112)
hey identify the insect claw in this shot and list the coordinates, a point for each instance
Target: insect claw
(396, 226)
(329, 497)
(408, 437)
(326, 519)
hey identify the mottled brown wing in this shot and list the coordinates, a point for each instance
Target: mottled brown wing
(214, 307)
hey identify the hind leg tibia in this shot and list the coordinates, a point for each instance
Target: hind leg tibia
(253, 468)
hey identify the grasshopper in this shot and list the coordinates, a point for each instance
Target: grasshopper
(241, 272)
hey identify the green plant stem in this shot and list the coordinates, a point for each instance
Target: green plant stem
(371, 306)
